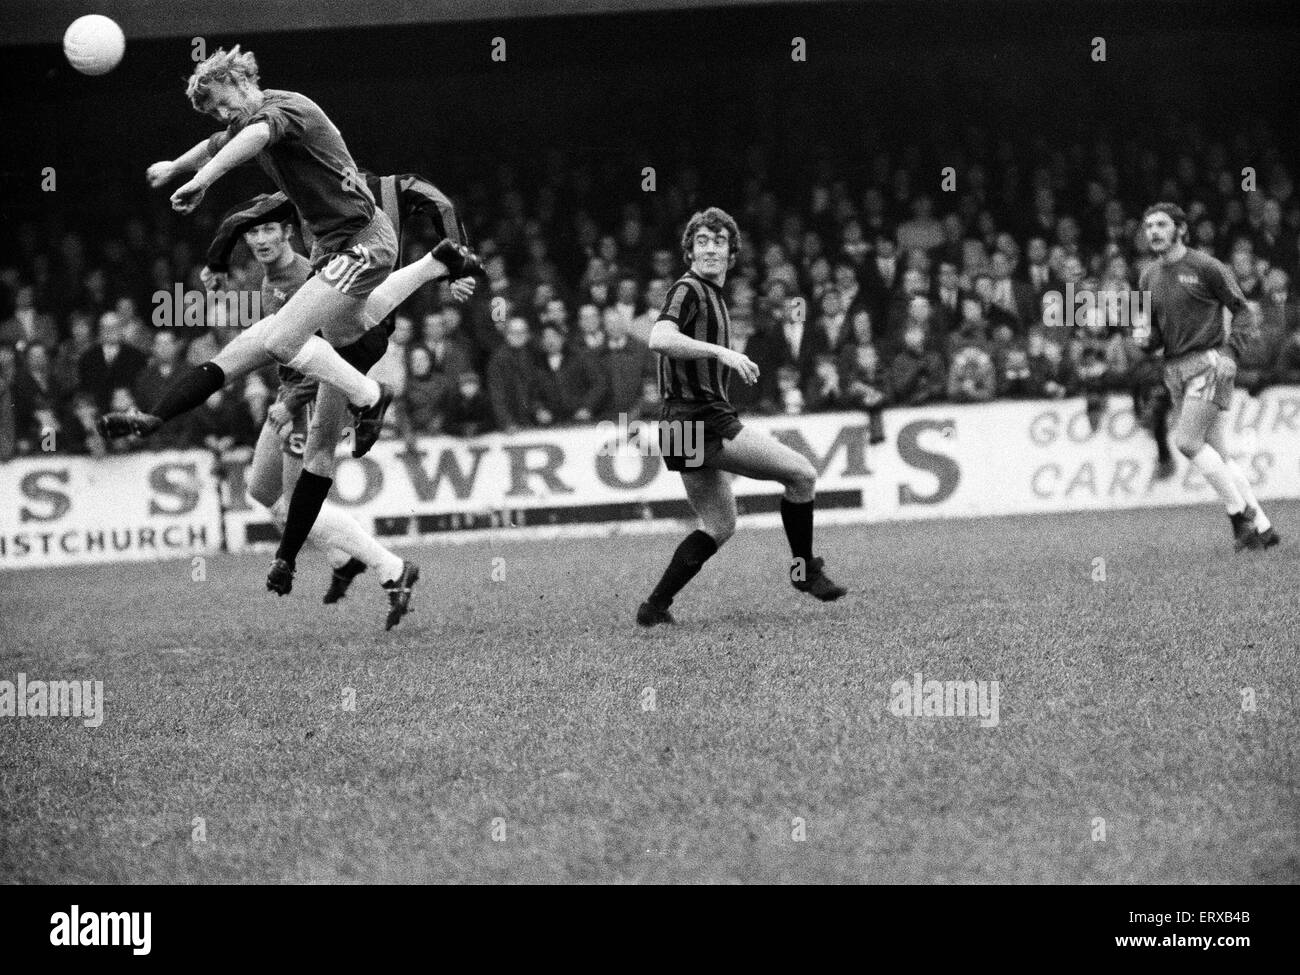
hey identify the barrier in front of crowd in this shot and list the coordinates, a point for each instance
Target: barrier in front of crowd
(1014, 457)
(61, 510)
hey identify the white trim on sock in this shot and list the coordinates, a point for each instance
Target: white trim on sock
(321, 361)
(1239, 478)
(340, 530)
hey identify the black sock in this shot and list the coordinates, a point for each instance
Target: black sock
(304, 505)
(797, 517)
(693, 552)
(350, 569)
(1160, 430)
(188, 391)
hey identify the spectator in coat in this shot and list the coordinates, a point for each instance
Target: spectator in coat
(224, 421)
(468, 411)
(512, 379)
(865, 386)
(26, 325)
(1049, 375)
(916, 376)
(67, 359)
(448, 354)
(38, 400)
(8, 402)
(571, 383)
(627, 361)
(426, 388)
(109, 364)
(160, 370)
(823, 391)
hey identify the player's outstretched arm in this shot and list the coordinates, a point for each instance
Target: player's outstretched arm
(667, 339)
(238, 150)
(162, 173)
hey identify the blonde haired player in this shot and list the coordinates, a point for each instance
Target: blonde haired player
(353, 246)
(1189, 291)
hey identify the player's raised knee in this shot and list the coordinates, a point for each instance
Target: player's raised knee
(1188, 446)
(263, 494)
(279, 346)
(802, 482)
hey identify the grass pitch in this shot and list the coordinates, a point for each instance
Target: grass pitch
(501, 733)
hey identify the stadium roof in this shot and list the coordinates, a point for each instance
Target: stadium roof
(44, 21)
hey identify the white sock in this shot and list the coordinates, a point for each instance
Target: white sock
(1210, 463)
(340, 530)
(330, 531)
(319, 360)
(400, 285)
(1243, 485)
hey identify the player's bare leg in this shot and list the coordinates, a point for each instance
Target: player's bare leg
(266, 472)
(291, 340)
(1196, 418)
(756, 455)
(709, 492)
(1217, 437)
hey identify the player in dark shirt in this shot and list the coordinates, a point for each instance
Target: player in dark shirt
(278, 457)
(701, 435)
(1189, 291)
(353, 249)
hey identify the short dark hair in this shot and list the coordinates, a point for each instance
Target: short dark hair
(717, 220)
(1171, 210)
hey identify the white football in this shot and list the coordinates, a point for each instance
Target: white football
(94, 44)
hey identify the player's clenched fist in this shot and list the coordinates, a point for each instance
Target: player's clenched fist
(212, 280)
(160, 173)
(741, 363)
(189, 196)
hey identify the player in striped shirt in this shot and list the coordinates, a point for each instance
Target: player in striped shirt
(1189, 291)
(701, 436)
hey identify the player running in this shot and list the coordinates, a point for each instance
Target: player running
(695, 363)
(1189, 291)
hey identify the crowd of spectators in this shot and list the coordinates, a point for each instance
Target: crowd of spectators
(863, 287)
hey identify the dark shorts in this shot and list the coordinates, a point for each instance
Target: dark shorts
(362, 354)
(691, 434)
